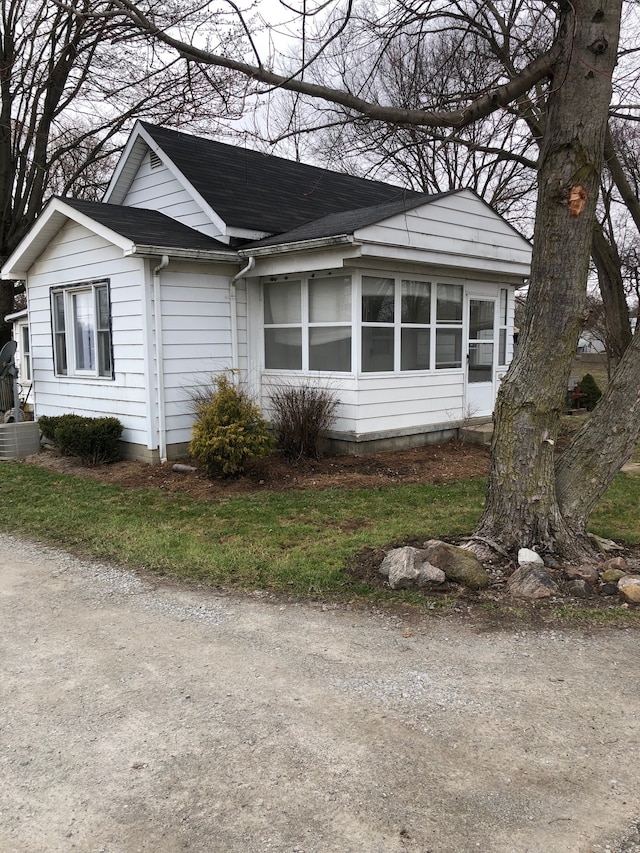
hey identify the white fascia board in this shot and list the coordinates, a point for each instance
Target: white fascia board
(245, 234)
(126, 168)
(230, 257)
(302, 246)
(50, 221)
(126, 171)
(17, 315)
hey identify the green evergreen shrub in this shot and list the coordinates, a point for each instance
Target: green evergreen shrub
(49, 424)
(589, 387)
(301, 415)
(96, 441)
(229, 430)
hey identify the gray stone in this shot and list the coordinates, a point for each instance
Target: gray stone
(609, 589)
(408, 567)
(431, 576)
(526, 555)
(629, 587)
(585, 572)
(401, 567)
(533, 581)
(579, 588)
(605, 546)
(458, 564)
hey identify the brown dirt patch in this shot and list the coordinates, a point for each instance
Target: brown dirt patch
(442, 463)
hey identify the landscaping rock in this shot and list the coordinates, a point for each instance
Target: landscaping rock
(629, 587)
(616, 563)
(402, 567)
(609, 589)
(605, 546)
(579, 588)
(612, 575)
(585, 572)
(526, 555)
(431, 576)
(458, 565)
(532, 581)
(408, 567)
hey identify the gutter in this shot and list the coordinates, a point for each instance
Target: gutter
(230, 256)
(233, 306)
(157, 310)
(301, 246)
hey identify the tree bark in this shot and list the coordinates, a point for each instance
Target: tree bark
(522, 508)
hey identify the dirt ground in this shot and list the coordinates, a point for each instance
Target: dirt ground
(157, 718)
(429, 464)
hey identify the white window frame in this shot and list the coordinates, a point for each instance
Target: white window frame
(398, 324)
(64, 337)
(357, 325)
(305, 324)
(24, 353)
(502, 359)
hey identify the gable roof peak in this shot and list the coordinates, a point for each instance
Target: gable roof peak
(257, 191)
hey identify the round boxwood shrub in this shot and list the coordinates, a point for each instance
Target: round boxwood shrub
(229, 430)
(96, 441)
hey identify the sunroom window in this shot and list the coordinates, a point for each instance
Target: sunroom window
(398, 328)
(81, 318)
(502, 328)
(449, 326)
(307, 324)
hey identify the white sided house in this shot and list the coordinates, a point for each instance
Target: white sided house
(205, 257)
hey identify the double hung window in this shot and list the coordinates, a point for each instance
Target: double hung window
(25, 354)
(82, 330)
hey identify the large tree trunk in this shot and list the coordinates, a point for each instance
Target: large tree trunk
(522, 508)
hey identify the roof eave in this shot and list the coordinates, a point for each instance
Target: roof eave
(50, 221)
(297, 246)
(177, 252)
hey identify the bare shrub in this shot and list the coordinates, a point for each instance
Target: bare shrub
(301, 415)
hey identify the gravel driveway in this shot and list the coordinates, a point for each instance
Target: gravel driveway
(142, 716)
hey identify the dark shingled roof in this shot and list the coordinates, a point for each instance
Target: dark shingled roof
(252, 190)
(145, 227)
(347, 222)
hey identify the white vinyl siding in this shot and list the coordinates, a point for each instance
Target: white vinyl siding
(77, 256)
(196, 324)
(458, 230)
(158, 189)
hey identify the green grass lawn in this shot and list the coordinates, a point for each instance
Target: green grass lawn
(290, 541)
(295, 541)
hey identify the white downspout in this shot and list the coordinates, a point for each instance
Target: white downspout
(233, 306)
(157, 310)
